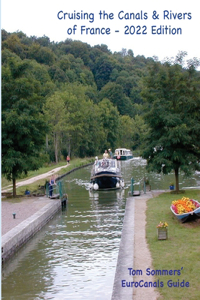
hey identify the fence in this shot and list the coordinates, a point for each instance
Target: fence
(141, 184)
(56, 191)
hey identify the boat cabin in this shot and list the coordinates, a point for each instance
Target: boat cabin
(123, 154)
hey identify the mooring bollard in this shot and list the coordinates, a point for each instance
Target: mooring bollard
(14, 215)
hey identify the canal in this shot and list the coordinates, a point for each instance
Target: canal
(74, 256)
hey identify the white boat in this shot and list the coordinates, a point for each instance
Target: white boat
(123, 154)
(106, 174)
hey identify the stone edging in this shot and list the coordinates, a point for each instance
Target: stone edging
(69, 172)
(126, 254)
(19, 235)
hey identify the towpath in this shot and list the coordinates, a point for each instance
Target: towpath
(35, 178)
(142, 255)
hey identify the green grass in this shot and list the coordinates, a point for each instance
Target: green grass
(45, 169)
(181, 251)
(74, 163)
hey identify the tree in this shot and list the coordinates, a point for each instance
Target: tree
(43, 55)
(14, 44)
(114, 92)
(126, 131)
(22, 138)
(83, 129)
(110, 122)
(56, 117)
(81, 50)
(74, 122)
(131, 131)
(172, 97)
(23, 126)
(103, 70)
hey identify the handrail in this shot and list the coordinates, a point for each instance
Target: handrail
(55, 190)
(140, 182)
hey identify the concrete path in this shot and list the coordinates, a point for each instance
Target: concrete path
(134, 252)
(142, 255)
(23, 208)
(31, 216)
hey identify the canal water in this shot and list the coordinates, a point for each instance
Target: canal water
(74, 256)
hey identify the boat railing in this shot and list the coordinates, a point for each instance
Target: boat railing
(105, 164)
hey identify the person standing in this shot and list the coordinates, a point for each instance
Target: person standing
(110, 152)
(68, 159)
(52, 182)
(105, 155)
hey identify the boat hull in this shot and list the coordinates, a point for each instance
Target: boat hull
(106, 180)
(195, 214)
(106, 174)
(123, 157)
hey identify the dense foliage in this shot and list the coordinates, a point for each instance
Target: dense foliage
(23, 124)
(71, 98)
(173, 105)
(72, 81)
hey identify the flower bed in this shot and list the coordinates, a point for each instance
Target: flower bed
(184, 205)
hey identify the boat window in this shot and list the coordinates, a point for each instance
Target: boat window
(105, 164)
(113, 164)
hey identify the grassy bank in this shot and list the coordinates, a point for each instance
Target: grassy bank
(74, 163)
(179, 252)
(44, 169)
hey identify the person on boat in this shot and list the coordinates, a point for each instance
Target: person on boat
(116, 152)
(110, 153)
(105, 155)
(52, 182)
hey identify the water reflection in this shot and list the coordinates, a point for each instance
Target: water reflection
(136, 168)
(75, 255)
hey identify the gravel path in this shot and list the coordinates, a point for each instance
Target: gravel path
(33, 179)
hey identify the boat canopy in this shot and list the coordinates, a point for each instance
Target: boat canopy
(105, 164)
(123, 151)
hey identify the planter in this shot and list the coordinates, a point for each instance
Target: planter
(185, 209)
(162, 233)
(171, 187)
